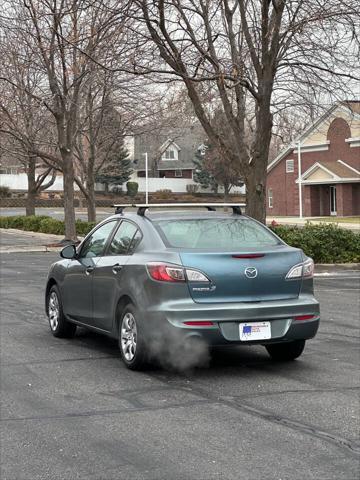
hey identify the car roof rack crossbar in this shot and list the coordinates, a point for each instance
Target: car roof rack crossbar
(142, 207)
(119, 209)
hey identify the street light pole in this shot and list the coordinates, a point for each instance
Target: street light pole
(299, 180)
(146, 179)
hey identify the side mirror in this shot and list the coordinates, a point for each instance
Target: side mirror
(68, 252)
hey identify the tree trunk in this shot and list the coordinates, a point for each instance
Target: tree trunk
(257, 175)
(226, 192)
(255, 196)
(69, 211)
(90, 198)
(31, 193)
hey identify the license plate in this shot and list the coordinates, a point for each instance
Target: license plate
(255, 331)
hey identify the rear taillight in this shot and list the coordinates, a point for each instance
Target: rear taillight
(164, 272)
(302, 270)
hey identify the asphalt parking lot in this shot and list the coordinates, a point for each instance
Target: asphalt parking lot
(71, 410)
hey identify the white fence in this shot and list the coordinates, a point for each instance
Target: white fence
(19, 182)
(176, 185)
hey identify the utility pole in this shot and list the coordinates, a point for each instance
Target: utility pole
(299, 180)
(146, 179)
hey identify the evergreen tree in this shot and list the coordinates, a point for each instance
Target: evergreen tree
(117, 169)
(202, 174)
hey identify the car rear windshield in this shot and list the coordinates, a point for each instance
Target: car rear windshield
(223, 233)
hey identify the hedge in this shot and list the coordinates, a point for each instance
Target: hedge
(325, 243)
(44, 224)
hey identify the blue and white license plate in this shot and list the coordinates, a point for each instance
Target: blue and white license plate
(255, 331)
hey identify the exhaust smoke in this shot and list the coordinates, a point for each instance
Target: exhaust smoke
(173, 350)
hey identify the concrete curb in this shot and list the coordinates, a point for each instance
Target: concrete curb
(36, 249)
(324, 269)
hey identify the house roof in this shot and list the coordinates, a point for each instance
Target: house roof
(330, 172)
(351, 106)
(185, 139)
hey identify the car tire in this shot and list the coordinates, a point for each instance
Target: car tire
(131, 340)
(284, 352)
(59, 326)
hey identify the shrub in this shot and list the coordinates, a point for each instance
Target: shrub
(12, 222)
(192, 188)
(44, 224)
(83, 228)
(132, 188)
(32, 222)
(51, 225)
(163, 194)
(325, 243)
(5, 192)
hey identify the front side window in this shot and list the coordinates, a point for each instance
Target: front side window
(95, 244)
(217, 234)
(125, 240)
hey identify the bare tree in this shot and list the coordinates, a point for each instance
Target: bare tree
(64, 36)
(23, 124)
(248, 55)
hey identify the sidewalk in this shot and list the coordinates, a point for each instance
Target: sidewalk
(12, 241)
(304, 220)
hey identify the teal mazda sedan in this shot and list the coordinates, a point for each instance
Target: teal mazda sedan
(211, 277)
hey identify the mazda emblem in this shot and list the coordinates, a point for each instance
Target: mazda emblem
(251, 272)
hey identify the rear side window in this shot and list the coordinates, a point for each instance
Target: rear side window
(217, 234)
(125, 239)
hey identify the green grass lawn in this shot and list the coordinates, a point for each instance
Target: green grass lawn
(337, 219)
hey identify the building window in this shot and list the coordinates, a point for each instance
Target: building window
(178, 173)
(270, 198)
(9, 170)
(289, 166)
(170, 154)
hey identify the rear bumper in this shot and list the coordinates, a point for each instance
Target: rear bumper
(227, 317)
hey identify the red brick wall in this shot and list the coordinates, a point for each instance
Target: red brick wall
(356, 199)
(285, 190)
(347, 199)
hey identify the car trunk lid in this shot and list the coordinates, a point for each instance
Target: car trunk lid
(249, 276)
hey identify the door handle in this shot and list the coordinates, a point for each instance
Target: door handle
(116, 268)
(89, 270)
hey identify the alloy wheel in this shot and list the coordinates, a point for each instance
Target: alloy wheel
(54, 311)
(128, 336)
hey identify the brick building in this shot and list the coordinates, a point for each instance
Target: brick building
(329, 156)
